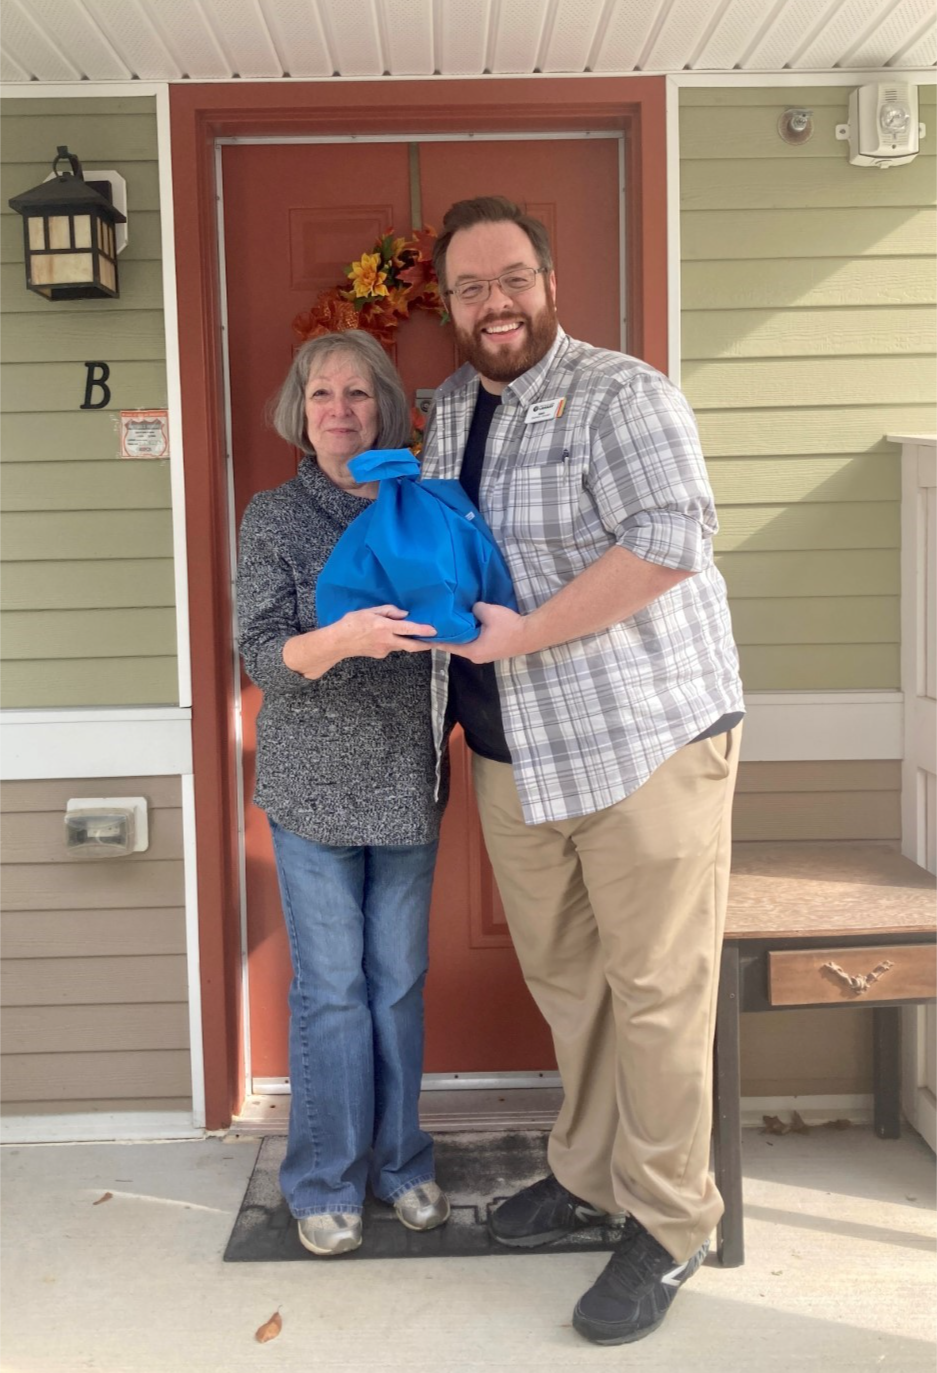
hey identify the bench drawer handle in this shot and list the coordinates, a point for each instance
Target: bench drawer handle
(863, 981)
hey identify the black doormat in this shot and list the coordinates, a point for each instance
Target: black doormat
(477, 1171)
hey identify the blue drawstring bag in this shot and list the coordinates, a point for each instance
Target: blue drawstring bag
(422, 546)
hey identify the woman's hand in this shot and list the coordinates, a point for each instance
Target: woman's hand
(359, 634)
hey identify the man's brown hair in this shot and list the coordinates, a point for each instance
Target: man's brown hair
(488, 209)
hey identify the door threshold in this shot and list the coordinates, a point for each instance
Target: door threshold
(441, 1111)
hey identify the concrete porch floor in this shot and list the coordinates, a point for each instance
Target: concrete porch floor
(839, 1275)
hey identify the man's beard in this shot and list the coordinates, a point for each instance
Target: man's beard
(509, 365)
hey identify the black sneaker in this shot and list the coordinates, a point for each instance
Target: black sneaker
(540, 1213)
(633, 1294)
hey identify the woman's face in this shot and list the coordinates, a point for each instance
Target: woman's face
(341, 414)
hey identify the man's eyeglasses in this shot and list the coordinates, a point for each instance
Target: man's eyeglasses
(512, 283)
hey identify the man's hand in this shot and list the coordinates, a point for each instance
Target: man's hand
(503, 635)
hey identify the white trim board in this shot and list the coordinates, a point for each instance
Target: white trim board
(99, 1127)
(794, 726)
(38, 745)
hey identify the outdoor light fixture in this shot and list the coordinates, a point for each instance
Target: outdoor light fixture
(69, 235)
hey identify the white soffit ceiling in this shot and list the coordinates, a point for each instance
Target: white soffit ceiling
(220, 40)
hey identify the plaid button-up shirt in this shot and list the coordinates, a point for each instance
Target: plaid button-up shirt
(588, 721)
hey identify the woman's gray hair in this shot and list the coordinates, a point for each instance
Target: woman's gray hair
(287, 410)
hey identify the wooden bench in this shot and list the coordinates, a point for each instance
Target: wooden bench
(810, 925)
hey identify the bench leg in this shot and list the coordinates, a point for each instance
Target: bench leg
(886, 1069)
(727, 1118)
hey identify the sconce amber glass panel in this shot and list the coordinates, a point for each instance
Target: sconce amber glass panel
(37, 232)
(59, 234)
(108, 276)
(57, 270)
(82, 231)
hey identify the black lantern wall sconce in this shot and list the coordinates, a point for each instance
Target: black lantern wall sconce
(69, 231)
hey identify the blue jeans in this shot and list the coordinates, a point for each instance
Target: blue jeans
(357, 920)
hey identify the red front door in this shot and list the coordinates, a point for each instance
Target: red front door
(294, 216)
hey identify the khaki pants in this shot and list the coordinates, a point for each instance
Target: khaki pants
(617, 918)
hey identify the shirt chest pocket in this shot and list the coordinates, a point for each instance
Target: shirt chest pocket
(542, 504)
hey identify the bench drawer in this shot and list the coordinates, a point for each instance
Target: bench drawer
(856, 977)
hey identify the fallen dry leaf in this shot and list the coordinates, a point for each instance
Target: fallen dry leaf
(798, 1124)
(774, 1125)
(270, 1329)
(838, 1124)
(107, 1196)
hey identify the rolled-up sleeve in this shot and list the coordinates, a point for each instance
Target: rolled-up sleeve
(266, 604)
(648, 478)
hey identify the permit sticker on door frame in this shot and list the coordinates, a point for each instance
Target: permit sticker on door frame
(545, 410)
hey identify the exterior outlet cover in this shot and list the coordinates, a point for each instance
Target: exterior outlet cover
(109, 826)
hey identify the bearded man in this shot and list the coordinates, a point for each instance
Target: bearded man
(604, 721)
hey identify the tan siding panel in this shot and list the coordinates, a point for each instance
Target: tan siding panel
(851, 775)
(87, 534)
(93, 981)
(807, 667)
(90, 934)
(141, 288)
(90, 682)
(51, 1077)
(817, 620)
(9, 1110)
(842, 477)
(143, 244)
(817, 815)
(812, 1053)
(81, 105)
(52, 794)
(96, 883)
(58, 586)
(39, 836)
(785, 234)
(787, 382)
(779, 97)
(761, 528)
(32, 386)
(142, 178)
(131, 335)
(846, 572)
(830, 429)
(98, 1105)
(756, 137)
(91, 1029)
(83, 436)
(132, 138)
(816, 282)
(803, 332)
(727, 184)
(113, 485)
(39, 634)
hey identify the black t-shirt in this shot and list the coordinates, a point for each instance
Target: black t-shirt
(473, 687)
(474, 702)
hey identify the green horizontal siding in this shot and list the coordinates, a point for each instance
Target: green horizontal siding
(89, 682)
(56, 534)
(808, 335)
(110, 582)
(44, 634)
(852, 330)
(89, 589)
(127, 485)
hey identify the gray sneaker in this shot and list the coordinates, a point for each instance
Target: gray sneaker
(423, 1207)
(330, 1234)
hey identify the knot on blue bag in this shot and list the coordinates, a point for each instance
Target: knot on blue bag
(421, 545)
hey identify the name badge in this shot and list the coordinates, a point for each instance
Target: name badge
(545, 410)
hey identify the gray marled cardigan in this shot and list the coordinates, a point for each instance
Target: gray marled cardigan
(348, 758)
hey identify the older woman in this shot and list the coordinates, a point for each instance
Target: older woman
(346, 774)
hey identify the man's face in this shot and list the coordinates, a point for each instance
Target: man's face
(504, 336)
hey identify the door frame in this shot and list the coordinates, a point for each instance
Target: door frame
(201, 114)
